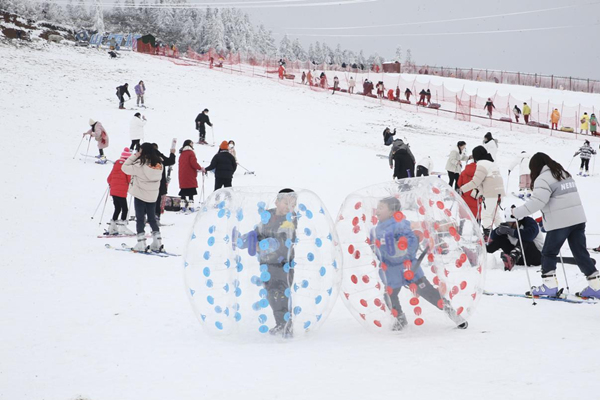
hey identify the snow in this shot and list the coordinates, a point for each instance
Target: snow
(79, 321)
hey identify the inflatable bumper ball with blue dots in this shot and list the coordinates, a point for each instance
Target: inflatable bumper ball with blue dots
(414, 256)
(263, 262)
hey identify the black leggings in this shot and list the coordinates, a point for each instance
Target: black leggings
(102, 152)
(158, 206)
(424, 289)
(222, 182)
(120, 207)
(585, 162)
(453, 179)
(136, 144)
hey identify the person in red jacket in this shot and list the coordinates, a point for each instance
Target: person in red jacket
(188, 172)
(469, 197)
(119, 185)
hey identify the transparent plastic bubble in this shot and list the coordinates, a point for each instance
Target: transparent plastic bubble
(263, 264)
(413, 255)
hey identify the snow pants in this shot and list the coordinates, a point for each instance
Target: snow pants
(120, 207)
(422, 171)
(424, 289)
(278, 291)
(532, 254)
(575, 235)
(202, 130)
(135, 144)
(140, 99)
(222, 182)
(491, 215)
(526, 117)
(585, 163)
(143, 209)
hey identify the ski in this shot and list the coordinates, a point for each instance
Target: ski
(125, 246)
(106, 235)
(570, 299)
(97, 159)
(130, 250)
(382, 156)
(520, 196)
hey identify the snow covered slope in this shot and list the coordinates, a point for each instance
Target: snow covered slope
(78, 320)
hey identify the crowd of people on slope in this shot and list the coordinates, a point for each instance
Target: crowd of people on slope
(545, 186)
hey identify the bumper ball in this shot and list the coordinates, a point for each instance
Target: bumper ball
(262, 262)
(414, 256)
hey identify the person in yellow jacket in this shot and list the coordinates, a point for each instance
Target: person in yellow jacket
(585, 123)
(526, 112)
(554, 118)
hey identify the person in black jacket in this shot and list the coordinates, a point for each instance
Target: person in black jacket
(224, 165)
(162, 191)
(121, 92)
(402, 160)
(201, 120)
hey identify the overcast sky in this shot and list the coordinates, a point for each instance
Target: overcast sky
(571, 51)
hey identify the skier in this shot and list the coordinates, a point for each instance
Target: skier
(188, 172)
(336, 84)
(404, 159)
(585, 123)
(554, 118)
(119, 185)
(407, 94)
(121, 92)
(146, 169)
(98, 132)
(489, 106)
(224, 165)
(454, 164)
(490, 144)
(585, 152)
(517, 112)
(303, 77)
(231, 145)
(140, 89)
(424, 166)
(555, 195)
(522, 160)
(489, 184)
(470, 197)
(593, 125)
(422, 95)
(351, 84)
(201, 120)
(428, 96)
(136, 130)
(399, 245)
(526, 112)
(388, 136)
(162, 190)
(506, 238)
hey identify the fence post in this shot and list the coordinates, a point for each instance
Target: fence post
(570, 86)
(588, 89)
(486, 75)
(518, 78)
(552, 82)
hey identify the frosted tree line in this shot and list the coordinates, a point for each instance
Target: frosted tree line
(177, 22)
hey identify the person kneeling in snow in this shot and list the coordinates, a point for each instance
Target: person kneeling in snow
(506, 238)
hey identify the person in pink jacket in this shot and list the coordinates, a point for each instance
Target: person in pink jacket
(98, 132)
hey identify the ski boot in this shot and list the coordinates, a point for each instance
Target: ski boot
(549, 287)
(191, 207)
(580, 172)
(123, 229)
(141, 243)
(101, 160)
(460, 322)
(184, 205)
(400, 323)
(285, 329)
(593, 289)
(156, 245)
(112, 228)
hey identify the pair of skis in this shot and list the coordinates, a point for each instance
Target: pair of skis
(561, 297)
(125, 247)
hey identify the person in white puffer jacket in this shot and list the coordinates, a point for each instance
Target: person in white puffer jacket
(522, 160)
(491, 145)
(555, 195)
(145, 168)
(136, 131)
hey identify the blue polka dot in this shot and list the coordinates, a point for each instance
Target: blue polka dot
(237, 316)
(238, 292)
(255, 279)
(286, 316)
(292, 264)
(264, 267)
(209, 283)
(206, 271)
(264, 244)
(192, 291)
(210, 300)
(239, 215)
(219, 325)
(310, 256)
(287, 293)
(265, 217)
(319, 317)
(226, 312)
(289, 217)
(318, 242)
(256, 306)
(218, 309)
(185, 264)
(296, 287)
(236, 307)
(307, 231)
(322, 271)
(306, 324)
(239, 267)
(211, 240)
(329, 291)
(263, 293)
(301, 207)
(221, 205)
(212, 229)
(309, 214)
(239, 243)
(203, 317)
(262, 318)
(286, 267)
(193, 236)
(261, 205)
(297, 310)
(322, 211)
(334, 264)
(226, 288)
(263, 329)
(265, 276)
(206, 255)
(236, 283)
(318, 299)
(227, 263)
(329, 237)
(264, 303)
(221, 213)
(304, 284)
(228, 213)
(288, 243)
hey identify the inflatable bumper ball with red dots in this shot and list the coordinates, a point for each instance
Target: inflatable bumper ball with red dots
(265, 263)
(413, 256)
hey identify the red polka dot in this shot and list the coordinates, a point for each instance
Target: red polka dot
(419, 202)
(351, 249)
(460, 310)
(436, 281)
(418, 310)
(463, 257)
(448, 212)
(413, 288)
(365, 278)
(440, 205)
(363, 302)
(419, 321)
(341, 217)
(407, 264)
(355, 221)
(414, 301)
(452, 231)
(426, 233)
(435, 190)
(450, 295)
(455, 290)
(430, 203)
(354, 279)
(398, 216)
(356, 229)
(363, 316)
(377, 243)
(389, 290)
(474, 295)
(374, 220)
(378, 286)
(377, 323)
(446, 272)
(403, 243)
(419, 235)
(458, 263)
(422, 210)
(373, 263)
(436, 226)
(409, 275)
(463, 285)
(357, 205)
(457, 237)
(479, 269)
(357, 254)
(364, 218)
(394, 313)
(384, 266)
(368, 241)
(347, 295)
(440, 304)
(377, 302)
(430, 257)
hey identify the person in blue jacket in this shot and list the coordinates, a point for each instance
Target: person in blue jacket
(394, 242)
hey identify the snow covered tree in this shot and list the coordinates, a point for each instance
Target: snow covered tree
(338, 57)
(285, 49)
(319, 58)
(360, 60)
(298, 51)
(399, 54)
(408, 60)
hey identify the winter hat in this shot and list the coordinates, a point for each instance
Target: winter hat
(508, 215)
(91, 122)
(125, 154)
(224, 145)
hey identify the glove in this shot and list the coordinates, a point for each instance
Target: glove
(504, 230)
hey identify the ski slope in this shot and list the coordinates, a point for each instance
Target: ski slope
(81, 322)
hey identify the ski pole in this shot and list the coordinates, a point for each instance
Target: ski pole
(524, 259)
(88, 150)
(249, 172)
(212, 132)
(202, 192)
(507, 180)
(564, 271)
(570, 162)
(76, 151)
(103, 208)
(493, 219)
(100, 202)
(129, 209)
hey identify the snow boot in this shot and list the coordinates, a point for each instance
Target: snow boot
(549, 287)
(593, 289)
(112, 228)
(191, 207)
(580, 172)
(141, 243)
(400, 323)
(123, 229)
(285, 329)
(156, 242)
(460, 322)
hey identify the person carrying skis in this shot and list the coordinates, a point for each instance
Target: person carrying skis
(522, 160)
(403, 158)
(526, 112)
(506, 238)
(407, 94)
(98, 132)
(162, 190)
(399, 246)
(201, 121)
(490, 144)
(188, 173)
(554, 118)
(585, 152)
(136, 130)
(422, 95)
(593, 125)
(424, 166)
(585, 123)
(489, 107)
(118, 181)
(351, 84)
(224, 165)
(121, 92)
(388, 136)
(140, 89)
(555, 195)
(454, 164)
(146, 169)
(517, 113)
